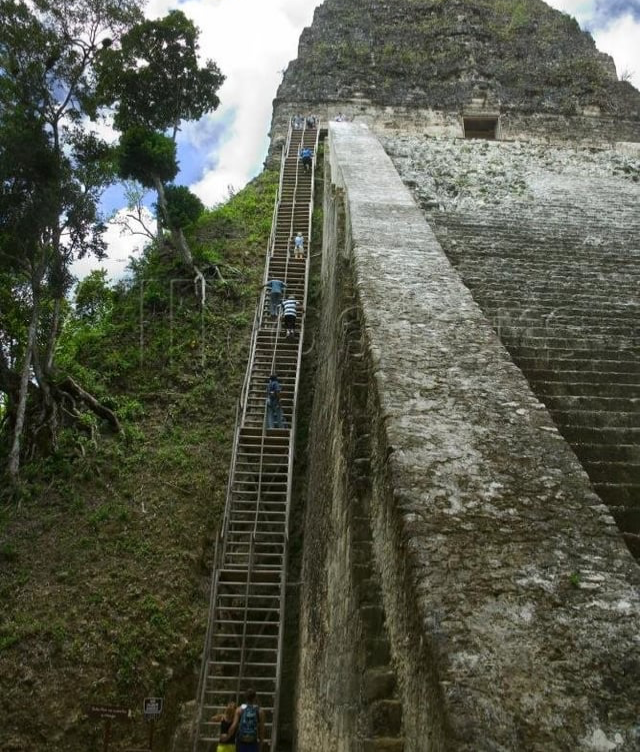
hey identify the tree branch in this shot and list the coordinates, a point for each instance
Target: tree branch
(73, 388)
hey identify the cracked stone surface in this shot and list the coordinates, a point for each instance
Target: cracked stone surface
(548, 241)
(512, 602)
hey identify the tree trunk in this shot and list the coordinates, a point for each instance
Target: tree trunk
(176, 235)
(48, 409)
(53, 336)
(180, 240)
(14, 455)
(43, 369)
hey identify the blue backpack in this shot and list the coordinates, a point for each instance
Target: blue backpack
(248, 726)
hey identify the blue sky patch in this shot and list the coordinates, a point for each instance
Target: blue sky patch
(199, 146)
(608, 10)
(112, 199)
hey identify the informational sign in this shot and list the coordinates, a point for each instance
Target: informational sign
(108, 713)
(111, 712)
(152, 707)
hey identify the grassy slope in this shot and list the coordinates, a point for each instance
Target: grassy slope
(104, 565)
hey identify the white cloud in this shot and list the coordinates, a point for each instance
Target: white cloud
(621, 40)
(581, 10)
(618, 38)
(121, 246)
(252, 41)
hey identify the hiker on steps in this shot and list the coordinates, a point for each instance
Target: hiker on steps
(227, 741)
(306, 157)
(275, 418)
(298, 246)
(276, 288)
(289, 314)
(248, 725)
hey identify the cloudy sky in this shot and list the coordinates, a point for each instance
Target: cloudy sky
(252, 42)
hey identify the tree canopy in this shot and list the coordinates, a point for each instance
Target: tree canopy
(147, 156)
(61, 64)
(183, 207)
(52, 172)
(154, 79)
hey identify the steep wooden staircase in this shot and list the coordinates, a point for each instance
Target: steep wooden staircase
(243, 645)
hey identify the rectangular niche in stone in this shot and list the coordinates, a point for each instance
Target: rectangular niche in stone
(481, 126)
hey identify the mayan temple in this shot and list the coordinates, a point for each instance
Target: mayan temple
(469, 580)
(466, 519)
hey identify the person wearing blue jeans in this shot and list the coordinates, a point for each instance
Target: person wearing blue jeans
(275, 418)
(276, 289)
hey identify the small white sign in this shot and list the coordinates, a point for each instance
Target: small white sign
(152, 706)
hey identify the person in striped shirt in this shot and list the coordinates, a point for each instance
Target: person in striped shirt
(289, 315)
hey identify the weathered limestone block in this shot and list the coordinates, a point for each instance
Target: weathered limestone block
(401, 120)
(528, 57)
(560, 284)
(347, 691)
(511, 601)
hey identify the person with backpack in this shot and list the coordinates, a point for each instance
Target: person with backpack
(248, 725)
(306, 157)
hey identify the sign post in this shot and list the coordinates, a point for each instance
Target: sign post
(107, 735)
(108, 713)
(152, 709)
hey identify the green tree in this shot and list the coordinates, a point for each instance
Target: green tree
(94, 297)
(150, 158)
(52, 172)
(153, 81)
(147, 156)
(183, 206)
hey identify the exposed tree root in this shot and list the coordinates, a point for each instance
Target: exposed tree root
(73, 389)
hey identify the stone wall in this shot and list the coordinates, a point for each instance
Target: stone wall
(424, 64)
(590, 130)
(548, 241)
(347, 687)
(507, 600)
(520, 56)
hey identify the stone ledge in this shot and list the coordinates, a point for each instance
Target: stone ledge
(492, 511)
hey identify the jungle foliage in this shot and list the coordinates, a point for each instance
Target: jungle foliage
(105, 554)
(61, 64)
